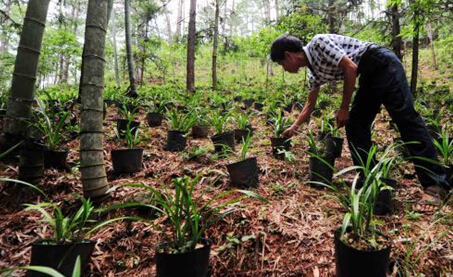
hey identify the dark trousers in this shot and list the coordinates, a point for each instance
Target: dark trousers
(383, 81)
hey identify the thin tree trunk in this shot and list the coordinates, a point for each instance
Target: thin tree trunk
(167, 18)
(191, 47)
(277, 10)
(92, 166)
(25, 71)
(415, 48)
(331, 18)
(130, 55)
(397, 42)
(232, 14)
(224, 18)
(115, 50)
(215, 45)
(267, 7)
(4, 35)
(179, 19)
(431, 43)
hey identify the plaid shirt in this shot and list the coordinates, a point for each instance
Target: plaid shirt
(324, 53)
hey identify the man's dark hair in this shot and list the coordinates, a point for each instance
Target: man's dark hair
(282, 44)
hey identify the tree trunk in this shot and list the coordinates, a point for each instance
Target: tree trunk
(277, 11)
(130, 55)
(115, 50)
(179, 19)
(232, 14)
(167, 18)
(4, 35)
(267, 8)
(215, 45)
(25, 71)
(191, 47)
(415, 46)
(331, 17)
(224, 18)
(431, 43)
(397, 42)
(92, 166)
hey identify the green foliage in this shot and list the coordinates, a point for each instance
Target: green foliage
(188, 218)
(181, 121)
(195, 152)
(245, 147)
(444, 146)
(279, 123)
(50, 127)
(132, 137)
(45, 270)
(360, 202)
(70, 229)
(219, 120)
(302, 25)
(242, 120)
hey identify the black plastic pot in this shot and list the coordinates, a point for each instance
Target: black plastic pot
(55, 158)
(279, 144)
(316, 113)
(241, 134)
(384, 201)
(248, 102)
(2, 112)
(223, 140)
(258, 106)
(200, 131)
(192, 264)
(334, 146)
(237, 98)
(351, 262)
(449, 172)
(176, 141)
(121, 126)
(320, 171)
(59, 257)
(31, 164)
(127, 160)
(154, 119)
(244, 174)
(288, 108)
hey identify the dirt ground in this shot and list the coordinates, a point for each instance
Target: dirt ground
(292, 235)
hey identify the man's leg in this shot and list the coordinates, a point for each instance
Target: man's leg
(399, 104)
(365, 106)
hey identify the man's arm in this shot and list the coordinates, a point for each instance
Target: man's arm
(350, 75)
(304, 114)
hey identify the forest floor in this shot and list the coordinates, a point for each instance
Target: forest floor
(292, 235)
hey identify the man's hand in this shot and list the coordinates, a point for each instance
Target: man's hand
(291, 131)
(342, 117)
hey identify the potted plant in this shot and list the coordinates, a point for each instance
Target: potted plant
(158, 105)
(358, 242)
(444, 146)
(201, 127)
(180, 125)
(70, 238)
(222, 139)
(186, 251)
(334, 143)
(244, 128)
(122, 124)
(320, 164)
(244, 173)
(52, 132)
(279, 124)
(128, 160)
